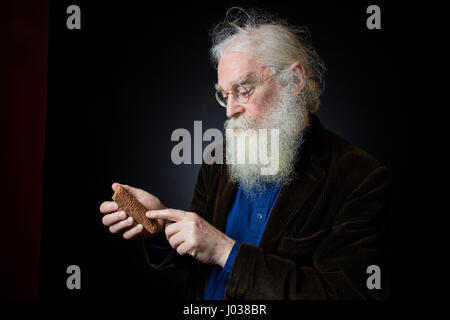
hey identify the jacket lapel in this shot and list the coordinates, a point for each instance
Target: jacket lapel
(225, 193)
(293, 196)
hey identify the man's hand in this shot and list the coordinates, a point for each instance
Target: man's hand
(190, 234)
(118, 222)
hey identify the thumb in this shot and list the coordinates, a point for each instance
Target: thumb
(133, 191)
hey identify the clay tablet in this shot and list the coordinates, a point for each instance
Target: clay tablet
(133, 208)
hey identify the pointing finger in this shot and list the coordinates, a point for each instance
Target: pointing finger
(168, 214)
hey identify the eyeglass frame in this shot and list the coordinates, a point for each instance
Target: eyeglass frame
(249, 92)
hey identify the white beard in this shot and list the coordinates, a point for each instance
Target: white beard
(290, 116)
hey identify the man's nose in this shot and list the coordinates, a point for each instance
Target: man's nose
(234, 108)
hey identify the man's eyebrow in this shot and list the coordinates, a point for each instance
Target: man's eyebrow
(245, 79)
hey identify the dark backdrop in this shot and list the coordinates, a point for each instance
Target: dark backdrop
(23, 83)
(118, 87)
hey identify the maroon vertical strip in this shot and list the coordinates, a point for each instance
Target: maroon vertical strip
(23, 65)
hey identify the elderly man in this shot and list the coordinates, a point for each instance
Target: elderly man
(315, 228)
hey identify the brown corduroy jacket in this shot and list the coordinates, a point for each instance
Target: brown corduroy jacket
(325, 229)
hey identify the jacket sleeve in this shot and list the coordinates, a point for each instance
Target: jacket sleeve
(158, 254)
(357, 239)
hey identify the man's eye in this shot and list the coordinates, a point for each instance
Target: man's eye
(241, 91)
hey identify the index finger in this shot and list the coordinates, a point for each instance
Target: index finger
(168, 214)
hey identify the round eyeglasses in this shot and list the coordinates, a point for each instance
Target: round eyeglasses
(239, 92)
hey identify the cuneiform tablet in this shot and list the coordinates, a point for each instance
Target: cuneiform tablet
(133, 208)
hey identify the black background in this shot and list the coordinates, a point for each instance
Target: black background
(118, 87)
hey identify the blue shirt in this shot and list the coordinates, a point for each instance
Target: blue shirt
(246, 222)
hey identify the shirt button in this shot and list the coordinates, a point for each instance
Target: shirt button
(259, 216)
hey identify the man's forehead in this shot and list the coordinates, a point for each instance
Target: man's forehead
(237, 68)
(243, 79)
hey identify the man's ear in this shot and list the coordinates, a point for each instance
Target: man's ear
(299, 71)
